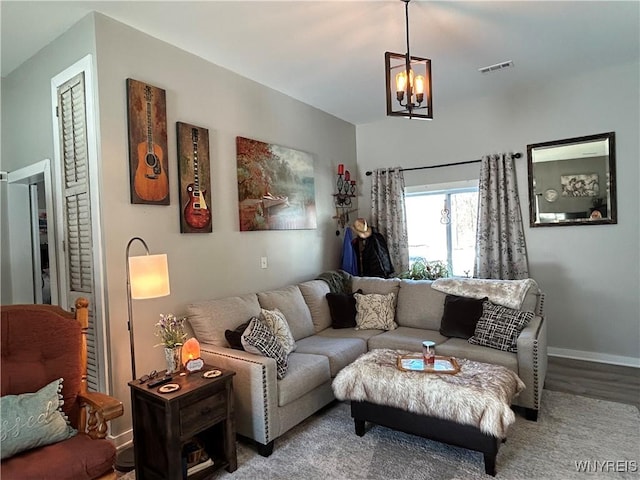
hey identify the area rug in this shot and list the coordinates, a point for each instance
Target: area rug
(574, 437)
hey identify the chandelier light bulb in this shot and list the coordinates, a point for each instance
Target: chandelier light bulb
(401, 82)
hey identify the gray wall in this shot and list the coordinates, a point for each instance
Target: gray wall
(590, 273)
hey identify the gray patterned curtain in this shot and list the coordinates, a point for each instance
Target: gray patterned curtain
(388, 214)
(501, 252)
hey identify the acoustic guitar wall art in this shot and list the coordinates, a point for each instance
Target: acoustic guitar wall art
(193, 165)
(148, 172)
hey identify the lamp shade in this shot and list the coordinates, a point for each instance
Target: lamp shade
(149, 276)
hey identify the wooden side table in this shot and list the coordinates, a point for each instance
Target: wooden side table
(163, 423)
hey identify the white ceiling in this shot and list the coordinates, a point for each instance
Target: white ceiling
(330, 54)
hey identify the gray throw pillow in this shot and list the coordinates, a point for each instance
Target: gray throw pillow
(32, 420)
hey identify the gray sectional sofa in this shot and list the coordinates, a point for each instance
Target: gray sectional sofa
(266, 407)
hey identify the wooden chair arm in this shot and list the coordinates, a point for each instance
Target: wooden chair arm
(102, 408)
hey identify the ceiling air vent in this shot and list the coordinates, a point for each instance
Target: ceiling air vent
(496, 67)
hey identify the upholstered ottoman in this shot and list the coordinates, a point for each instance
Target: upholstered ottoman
(470, 409)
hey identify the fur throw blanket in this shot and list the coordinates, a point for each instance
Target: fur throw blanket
(479, 395)
(508, 293)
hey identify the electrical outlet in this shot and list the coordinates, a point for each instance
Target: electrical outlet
(263, 262)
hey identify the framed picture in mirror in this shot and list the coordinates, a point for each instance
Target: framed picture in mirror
(573, 181)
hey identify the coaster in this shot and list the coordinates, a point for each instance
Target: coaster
(168, 388)
(212, 373)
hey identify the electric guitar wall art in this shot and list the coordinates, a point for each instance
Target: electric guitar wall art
(148, 163)
(193, 159)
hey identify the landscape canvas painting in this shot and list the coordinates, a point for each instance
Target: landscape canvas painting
(276, 188)
(582, 185)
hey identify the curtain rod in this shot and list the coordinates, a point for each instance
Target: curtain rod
(515, 155)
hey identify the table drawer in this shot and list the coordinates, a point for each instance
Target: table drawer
(203, 413)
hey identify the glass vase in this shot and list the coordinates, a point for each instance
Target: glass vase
(173, 356)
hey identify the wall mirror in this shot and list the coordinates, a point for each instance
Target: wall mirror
(573, 181)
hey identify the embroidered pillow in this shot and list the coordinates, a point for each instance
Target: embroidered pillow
(499, 327)
(258, 339)
(461, 314)
(343, 309)
(274, 319)
(32, 420)
(234, 337)
(375, 311)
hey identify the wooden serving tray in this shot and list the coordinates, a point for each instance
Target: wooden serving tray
(415, 363)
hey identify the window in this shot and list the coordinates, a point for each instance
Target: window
(441, 225)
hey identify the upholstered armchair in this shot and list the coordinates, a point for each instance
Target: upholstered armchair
(40, 438)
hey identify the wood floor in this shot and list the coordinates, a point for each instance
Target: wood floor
(597, 380)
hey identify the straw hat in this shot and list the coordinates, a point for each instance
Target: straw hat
(361, 228)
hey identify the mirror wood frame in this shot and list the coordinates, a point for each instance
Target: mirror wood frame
(610, 196)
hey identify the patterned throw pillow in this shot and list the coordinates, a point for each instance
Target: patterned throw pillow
(277, 323)
(499, 327)
(375, 311)
(32, 420)
(259, 340)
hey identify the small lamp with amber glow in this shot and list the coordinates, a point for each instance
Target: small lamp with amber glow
(191, 356)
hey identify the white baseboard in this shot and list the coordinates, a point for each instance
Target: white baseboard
(594, 357)
(123, 440)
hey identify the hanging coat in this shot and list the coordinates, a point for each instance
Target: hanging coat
(373, 256)
(349, 262)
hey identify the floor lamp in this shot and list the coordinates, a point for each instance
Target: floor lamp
(147, 277)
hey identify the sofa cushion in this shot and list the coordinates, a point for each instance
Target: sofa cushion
(234, 337)
(375, 311)
(209, 319)
(314, 293)
(343, 309)
(258, 339)
(461, 314)
(340, 351)
(306, 372)
(405, 338)
(458, 347)
(277, 323)
(32, 420)
(419, 305)
(499, 327)
(381, 286)
(78, 458)
(349, 333)
(291, 303)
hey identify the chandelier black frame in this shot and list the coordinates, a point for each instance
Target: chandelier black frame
(408, 95)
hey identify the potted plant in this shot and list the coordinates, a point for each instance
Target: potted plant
(422, 269)
(171, 331)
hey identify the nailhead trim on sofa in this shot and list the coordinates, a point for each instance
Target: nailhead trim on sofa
(264, 387)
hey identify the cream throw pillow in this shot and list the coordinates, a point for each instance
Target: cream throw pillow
(277, 323)
(375, 311)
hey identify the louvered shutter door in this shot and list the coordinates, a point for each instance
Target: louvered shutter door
(77, 208)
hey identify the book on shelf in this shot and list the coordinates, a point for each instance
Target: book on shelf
(200, 466)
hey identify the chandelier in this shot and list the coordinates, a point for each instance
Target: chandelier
(408, 82)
